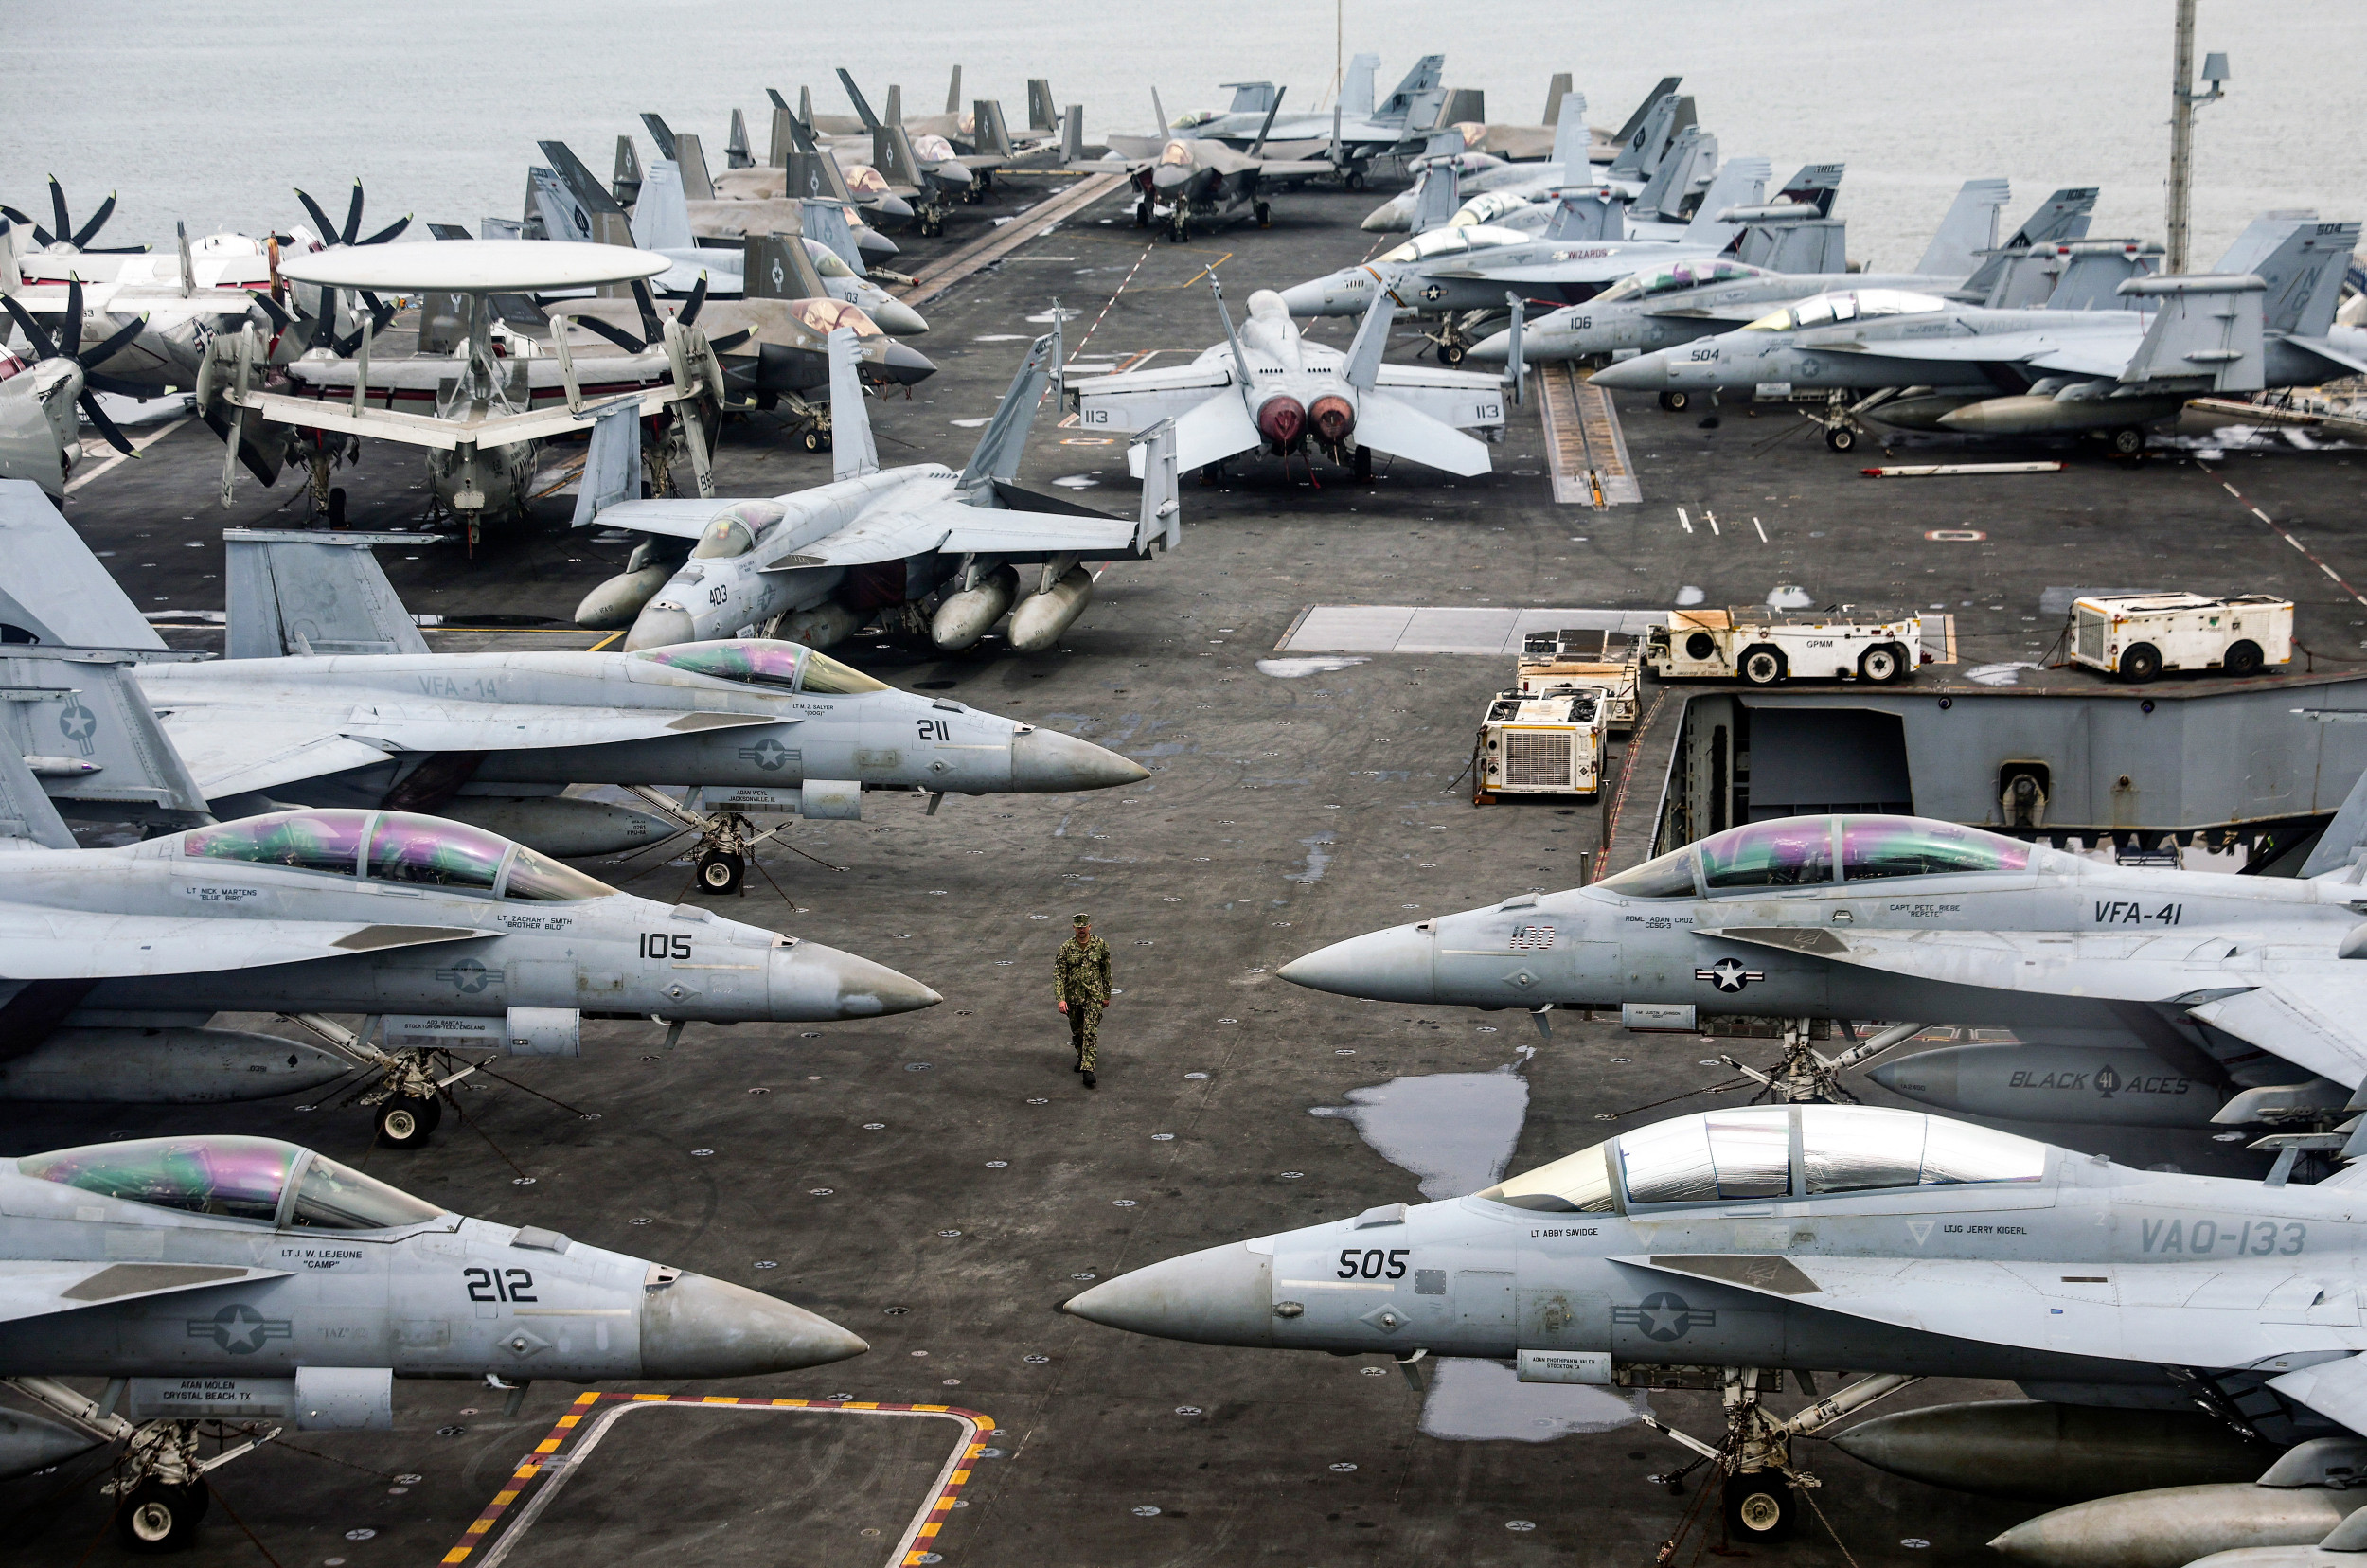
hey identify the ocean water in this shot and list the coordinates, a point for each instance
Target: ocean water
(210, 113)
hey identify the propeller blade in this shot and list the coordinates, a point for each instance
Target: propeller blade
(41, 235)
(106, 427)
(324, 325)
(730, 340)
(327, 230)
(70, 331)
(83, 236)
(689, 313)
(278, 318)
(116, 385)
(118, 250)
(651, 328)
(57, 206)
(108, 349)
(344, 346)
(388, 232)
(593, 325)
(380, 312)
(43, 348)
(353, 216)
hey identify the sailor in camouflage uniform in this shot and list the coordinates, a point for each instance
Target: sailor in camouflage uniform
(1080, 984)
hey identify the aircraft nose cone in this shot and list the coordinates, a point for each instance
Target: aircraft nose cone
(874, 245)
(1044, 760)
(1490, 350)
(1306, 299)
(1381, 965)
(1644, 373)
(1388, 217)
(906, 365)
(659, 627)
(1171, 177)
(701, 1328)
(897, 319)
(809, 983)
(893, 208)
(1223, 1295)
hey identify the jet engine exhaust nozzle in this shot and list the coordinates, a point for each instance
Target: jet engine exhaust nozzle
(1282, 419)
(1333, 418)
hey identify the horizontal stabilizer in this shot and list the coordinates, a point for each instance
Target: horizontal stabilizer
(53, 589)
(1218, 429)
(2336, 1389)
(1401, 430)
(29, 820)
(308, 592)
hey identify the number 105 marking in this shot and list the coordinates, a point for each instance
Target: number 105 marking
(1373, 1263)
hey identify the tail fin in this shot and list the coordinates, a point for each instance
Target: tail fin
(661, 218)
(1649, 143)
(1465, 106)
(1072, 134)
(1005, 439)
(304, 592)
(2302, 262)
(2094, 273)
(29, 819)
(1643, 111)
(696, 185)
(612, 464)
(1273, 107)
(53, 589)
(892, 154)
(1516, 364)
(661, 134)
(1810, 245)
(2206, 333)
(987, 133)
(1161, 522)
(805, 105)
(852, 451)
(1742, 182)
(578, 206)
(1566, 114)
(1588, 215)
(895, 106)
(780, 267)
(813, 168)
(736, 153)
(1437, 196)
(2064, 215)
(1362, 368)
(1240, 358)
(1159, 112)
(626, 184)
(953, 92)
(1421, 86)
(827, 222)
(1967, 229)
(1041, 115)
(2344, 838)
(782, 142)
(1556, 91)
(1816, 185)
(854, 96)
(1356, 88)
(1672, 181)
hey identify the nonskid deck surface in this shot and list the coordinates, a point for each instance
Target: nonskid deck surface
(939, 1182)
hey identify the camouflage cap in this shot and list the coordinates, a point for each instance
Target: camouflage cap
(1081, 920)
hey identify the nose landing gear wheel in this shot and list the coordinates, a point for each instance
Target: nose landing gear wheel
(1759, 1507)
(159, 1516)
(2127, 441)
(720, 872)
(1676, 403)
(1264, 214)
(1451, 353)
(405, 1122)
(1841, 438)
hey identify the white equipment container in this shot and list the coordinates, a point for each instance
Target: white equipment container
(2137, 636)
(1767, 646)
(1551, 744)
(1608, 663)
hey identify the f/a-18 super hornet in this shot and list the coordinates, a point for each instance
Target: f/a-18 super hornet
(816, 565)
(1473, 174)
(1266, 388)
(330, 697)
(247, 1284)
(1678, 301)
(2232, 987)
(1724, 1250)
(114, 961)
(2265, 318)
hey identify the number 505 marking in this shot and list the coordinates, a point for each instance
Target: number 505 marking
(1373, 1263)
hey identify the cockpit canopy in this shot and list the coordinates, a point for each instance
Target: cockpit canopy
(1849, 305)
(1803, 851)
(401, 847)
(1446, 241)
(234, 1178)
(1681, 274)
(736, 528)
(861, 179)
(1774, 1152)
(760, 662)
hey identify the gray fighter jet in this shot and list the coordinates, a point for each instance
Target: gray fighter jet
(252, 1283)
(1357, 132)
(2237, 983)
(927, 167)
(2265, 318)
(1201, 175)
(815, 566)
(330, 698)
(113, 961)
(1805, 1239)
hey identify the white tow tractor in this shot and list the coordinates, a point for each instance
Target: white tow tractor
(2137, 636)
(1767, 646)
(1550, 744)
(1607, 662)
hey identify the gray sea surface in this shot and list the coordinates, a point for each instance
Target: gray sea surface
(210, 113)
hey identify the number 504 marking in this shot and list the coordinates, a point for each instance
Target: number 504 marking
(1373, 1263)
